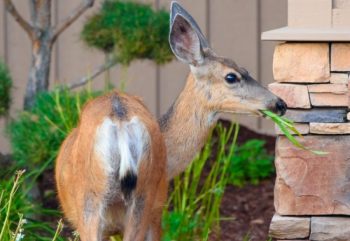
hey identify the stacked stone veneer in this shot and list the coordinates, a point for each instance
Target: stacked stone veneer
(312, 193)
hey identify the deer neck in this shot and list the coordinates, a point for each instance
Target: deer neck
(186, 126)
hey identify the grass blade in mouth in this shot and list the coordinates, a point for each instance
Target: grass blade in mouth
(288, 129)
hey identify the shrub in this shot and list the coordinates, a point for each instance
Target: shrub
(195, 201)
(36, 135)
(132, 30)
(17, 212)
(250, 163)
(5, 89)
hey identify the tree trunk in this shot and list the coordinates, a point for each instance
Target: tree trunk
(39, 71)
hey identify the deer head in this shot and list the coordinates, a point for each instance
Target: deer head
(224, 86)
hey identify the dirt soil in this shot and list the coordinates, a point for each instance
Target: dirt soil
(250, 206)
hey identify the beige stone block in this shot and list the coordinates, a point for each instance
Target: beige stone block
(330, 128)
(340, 57)
(286, 227)
(301, 63)
(328, 99)
(330, 229)
(295, 96)
(309, 184)
(309, 13)
(339, 78)
(301, 127)
(343, 4)
(329, 88)
(341, 18)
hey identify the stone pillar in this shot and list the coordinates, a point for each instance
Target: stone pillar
(313, 79)
(311, 69)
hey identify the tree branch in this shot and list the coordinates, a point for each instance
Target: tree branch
(99, 70)
(19, 19)
(74, 15)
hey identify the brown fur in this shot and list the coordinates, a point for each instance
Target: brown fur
(83, 186)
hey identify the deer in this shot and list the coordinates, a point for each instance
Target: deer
(215, 86)
(112, 171)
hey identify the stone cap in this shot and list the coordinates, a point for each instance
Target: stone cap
(314, 20)
(308, 34)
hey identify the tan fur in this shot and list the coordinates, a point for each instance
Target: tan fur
(83, 185)
(210, 91)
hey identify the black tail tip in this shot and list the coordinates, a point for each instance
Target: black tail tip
(128, 183)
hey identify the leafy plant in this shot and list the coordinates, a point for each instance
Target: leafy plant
(5, 89)
(17, 211)
(36, 135)
(194, 204)
(288, 128)
(130, 31)
(250, 163)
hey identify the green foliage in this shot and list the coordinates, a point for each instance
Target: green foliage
(37, 134)
(288, 129)
(18, 213)
(5, 89)
(132, 30)
(250, 163)
(194, 204)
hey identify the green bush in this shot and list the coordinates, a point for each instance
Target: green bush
(18, 214)
(36, 135)
(131, 30)
(250, 163)
(5, 89)
(194, 204)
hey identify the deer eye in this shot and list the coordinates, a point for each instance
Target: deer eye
(231, 78)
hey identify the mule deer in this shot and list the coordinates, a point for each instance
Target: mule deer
(214, 86)
(111, 171)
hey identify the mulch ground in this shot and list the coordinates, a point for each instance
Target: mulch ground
(251, 207)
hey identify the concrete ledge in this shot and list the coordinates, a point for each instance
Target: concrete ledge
(307, 34)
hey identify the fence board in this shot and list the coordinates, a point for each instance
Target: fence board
(270, 21)
(233, 28)
(173, 75)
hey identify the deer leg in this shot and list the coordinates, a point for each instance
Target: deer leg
(138, 220)
(91, 230)
(91, 226)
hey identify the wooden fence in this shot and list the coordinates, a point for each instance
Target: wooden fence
(233, 28)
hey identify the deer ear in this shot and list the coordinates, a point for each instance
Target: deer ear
(185, 42)
(186, 39)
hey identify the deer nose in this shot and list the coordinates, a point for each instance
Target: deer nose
(281, 107)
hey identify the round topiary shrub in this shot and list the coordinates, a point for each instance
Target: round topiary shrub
(130, 31)
(5, 89)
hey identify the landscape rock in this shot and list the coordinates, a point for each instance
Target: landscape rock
(310, 184)
(329, 99)
(321, 115)
(328, 88)
(295, 96)
(286, 227)
(330, 229)
(330, 128)
(301, 127)
(340, 57)
(339, 78)
(301, 63)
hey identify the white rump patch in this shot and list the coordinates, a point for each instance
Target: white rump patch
(121, 144)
